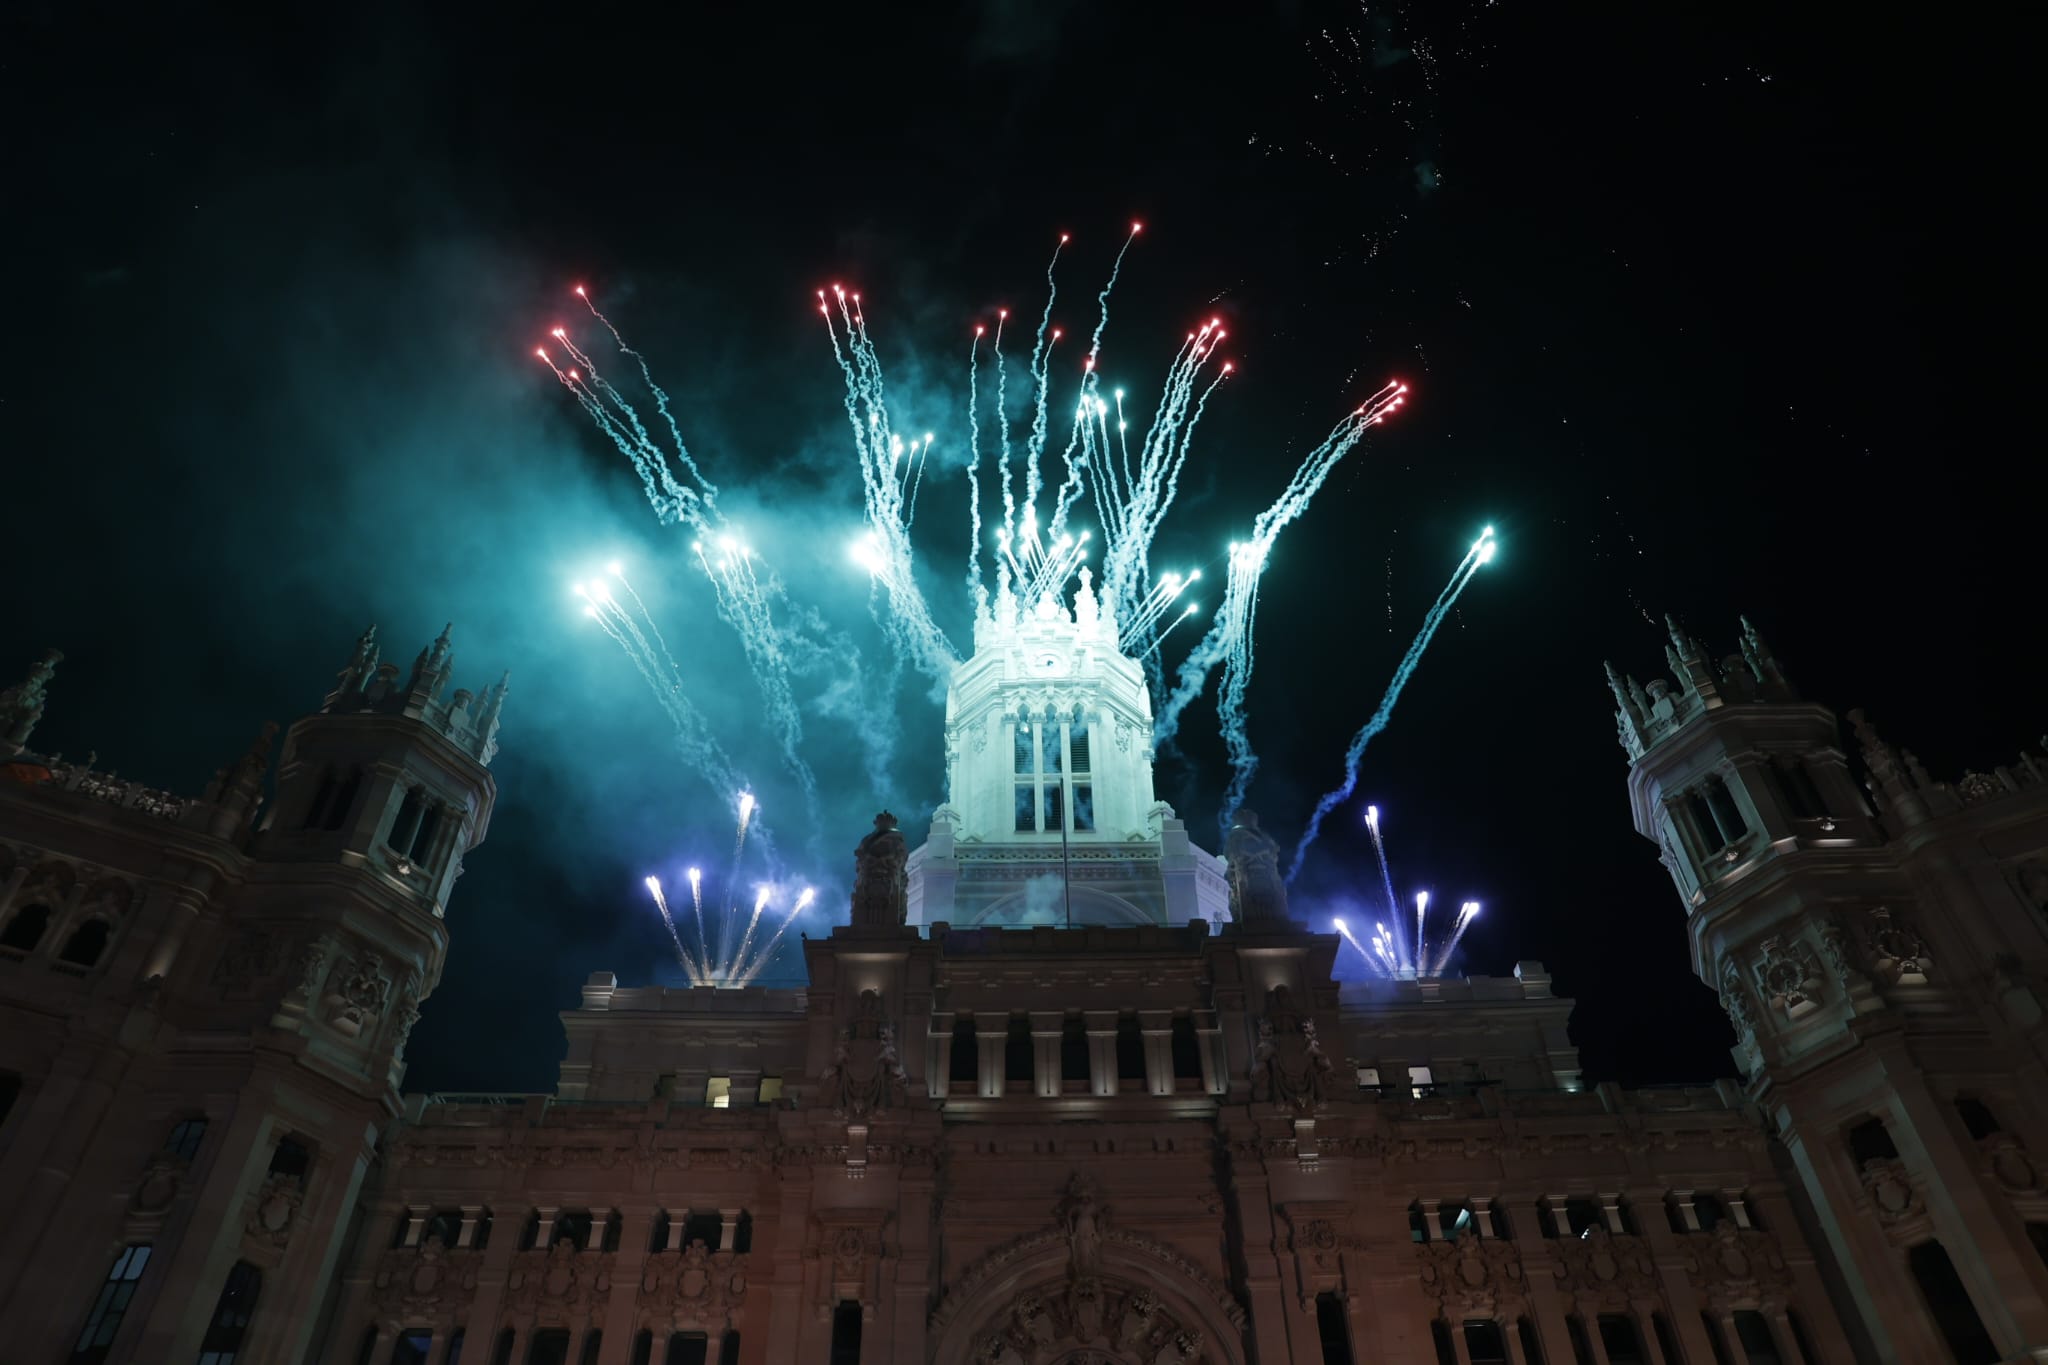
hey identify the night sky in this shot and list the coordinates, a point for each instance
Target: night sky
(1707, 310)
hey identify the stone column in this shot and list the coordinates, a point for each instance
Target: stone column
(1101, 1051)
(472, 1214)
(991, 1031)
(1157, 1026)
(1215, 1065)
(1046, 1030)
(1511, 1337)
(939, 1047)
(482, 1333)
(1591, 1323)
(544, 1234)
(416, 1216)
(1546, 1309)
(1433, 1218)
(617, 1314)
(1668, 1250)
(1646, 1329)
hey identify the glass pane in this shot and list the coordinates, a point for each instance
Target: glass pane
(1052, 748)
(1077, 744)
(1026, 748)
(1025, 823)
(1053, 821)
(1084, 809)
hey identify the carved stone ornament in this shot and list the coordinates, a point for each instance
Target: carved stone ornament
(1841, 954)
(162, 1181)
(1089, 1322)
(426, 1282)
(274, 1208)
(880, 878)
(1473, 1278)
(559, 1282)
(1288, 1066)
(1081, 1213)
(2006, 1161)
(1603, 1270)
(1895, 1199)
(1735, 1002)
(357, 992)
(1790, 972)
(1898, 954)
(695, 1288)
(866, 1076)
(1738, 1268)
(847, 1246)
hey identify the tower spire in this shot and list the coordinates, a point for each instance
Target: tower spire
(21, 705)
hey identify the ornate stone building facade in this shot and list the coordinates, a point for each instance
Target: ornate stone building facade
(1151, 1138)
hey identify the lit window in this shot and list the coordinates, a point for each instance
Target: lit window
(771, 1089)
(1368, 1078)
(718, 1092)
(1420, 1081)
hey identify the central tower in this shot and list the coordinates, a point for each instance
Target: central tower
(1051, 817)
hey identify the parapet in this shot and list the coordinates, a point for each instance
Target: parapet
(1646, 715)
(469, 721)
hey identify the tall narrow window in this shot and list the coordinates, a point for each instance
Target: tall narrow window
(1084, 808)
(1582, 1345)
(455, 1339)
(743, 1233)
(10, 1091)
(231, 1315)
(1074, 1051)
(1019, 1057)
(1484, 1343)
(718, 1092)
(643, 1348)
(1187, 1049)
(846, 1333)
(110, 1305)
(423, 839)
(1077, 744)
(1715, 1339)
(550, 1347)
(1977, 1117)
(1703, 820)
(344, 802)
(412, 1346)
(1130, 1049)
(705, 1227)
(406, 823)
(574, 1228)
(26, 929)
(1799, 1341)
(964, 1066)
(1532, 1343)
(1870, 1141)
(1333, 1330)
(1618, 1336)
(1949, 1303)
(657, 1238)
(1727, 815)
(323, 797)
(2037, 1233)
(729, 1348)
(1708, 1209)
(1754, 1335)
(1440, 1337)
(503, 1354)
(593, 1342)
(1055, 806)
(1667, 1340)
(769, 1091)
(186, 1135)
(1049, 763)
(1582, 1216)
(1027, 809)
(1026, 750)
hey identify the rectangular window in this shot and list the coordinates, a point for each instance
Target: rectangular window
(411, 1347)
(184, 1140)
(1026, 750)
(550, 1347)
(1026, 814)
(771, 1090)
(1331, 1329)
(1618, 1335)
(846, 1333)
(1368, 1078)
(1053, 735)
(707, 1228)
(687, 1348)
(1084, 808)
(1077, 744)
(1484, 1343)
(718, 1092)
(1421, 1081)
(110, 1305)
(231, 1315)
(1053, 818)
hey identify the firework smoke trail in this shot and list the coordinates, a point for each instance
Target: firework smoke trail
(682, 954)
(697, 909)
(976, 588)
(1475, 558)
(1467, 912)
(885, 550)
(1228, 640)
(1084, 429)
(1421, 938)
(726, 962)
(767, 953)
(1041, 366)
(739, 959)
(741, 598)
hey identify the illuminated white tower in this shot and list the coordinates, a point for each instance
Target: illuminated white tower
(1051, 816)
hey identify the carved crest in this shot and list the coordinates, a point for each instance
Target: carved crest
(1791, 975)
(425, 1282)
(695, 1287)
(1288, 1066)
(866, 1076)
(357, 992)
(1473, 1278)
(1738, 1268)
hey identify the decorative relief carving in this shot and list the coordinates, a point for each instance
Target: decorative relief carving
(1738, 1268)
(865, 1076)
(559, 1282)
(846, 1245)
(1735, 1003)
(274, 1208)
(1790, 972)
(357, 993)
(1602, 1270)
(1089, 1322)
(1898, 954)
(1895, 1199)
(1288, 1067)
(427, 1282)
(1473, 1278)
(2006, 1161)
(694, 1287)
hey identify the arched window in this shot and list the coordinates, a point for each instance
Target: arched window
(26, 929)
(231, 1316)
(291, 1158)
(706, 1227)
(86, 943)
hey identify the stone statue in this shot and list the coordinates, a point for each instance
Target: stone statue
(21, 706)
(1080, 1213)
(880, 885)
(1256, 891)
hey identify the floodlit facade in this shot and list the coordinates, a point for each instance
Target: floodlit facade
(1164, 1135)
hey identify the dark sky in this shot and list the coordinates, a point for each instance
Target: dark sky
(1707, 309)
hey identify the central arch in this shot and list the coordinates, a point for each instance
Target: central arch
(1146, 1305)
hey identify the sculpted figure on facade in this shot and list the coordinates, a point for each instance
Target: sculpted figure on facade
(1253, 859)
(357, 993)
(1288, 1066)
(1080, 1213)
(881, 883)
(866, 1076)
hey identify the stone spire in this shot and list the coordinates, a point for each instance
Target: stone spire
(1690, 665)
(21, 706)
(1764, 665)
